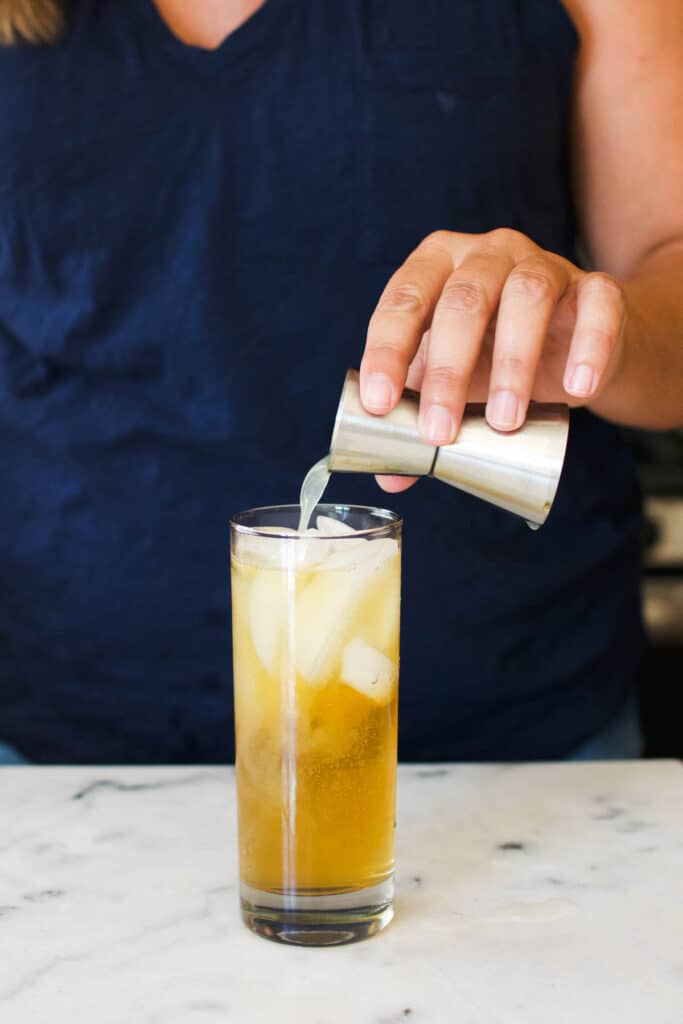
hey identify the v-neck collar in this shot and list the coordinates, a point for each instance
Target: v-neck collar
(242, 39)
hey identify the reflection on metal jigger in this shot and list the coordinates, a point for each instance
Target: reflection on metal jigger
(517, 471)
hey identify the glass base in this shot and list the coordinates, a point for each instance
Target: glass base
(320, 919)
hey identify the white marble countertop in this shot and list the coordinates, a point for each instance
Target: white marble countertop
(528, 894)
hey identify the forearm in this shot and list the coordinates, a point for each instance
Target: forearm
(646, 389)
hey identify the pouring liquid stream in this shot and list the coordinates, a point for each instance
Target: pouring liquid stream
(312, 490)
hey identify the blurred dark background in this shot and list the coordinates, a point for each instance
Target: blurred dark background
(660, 462)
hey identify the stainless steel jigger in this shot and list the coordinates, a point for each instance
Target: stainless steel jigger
(516, 471)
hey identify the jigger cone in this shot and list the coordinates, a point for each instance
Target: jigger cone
(516, 471)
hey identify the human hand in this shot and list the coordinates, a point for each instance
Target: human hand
(489, 318)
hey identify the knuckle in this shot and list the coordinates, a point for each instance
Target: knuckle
(603, 284)
(383, 356)
(506, 237)
(435, 240)
(380, 351)
(600, 339)
(444, 379)
(530, 283)
(510, 365)
(464, 297)
(403, 298)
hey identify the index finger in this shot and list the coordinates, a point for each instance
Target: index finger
(403, 314)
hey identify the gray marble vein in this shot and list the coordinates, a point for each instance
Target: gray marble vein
(528, 894)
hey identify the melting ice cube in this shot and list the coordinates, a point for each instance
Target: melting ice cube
(268, 614)
(324, 609)
(363, 554)
(271, 553)
(368, 671)
(332, 527)
(254, 549)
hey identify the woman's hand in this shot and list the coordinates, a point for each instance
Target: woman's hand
(489, 318)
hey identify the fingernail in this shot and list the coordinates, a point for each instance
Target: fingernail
(439, 425)
(582, 380)
(377, 392)
(502, 410)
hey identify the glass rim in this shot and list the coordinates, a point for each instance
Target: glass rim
(392, 521)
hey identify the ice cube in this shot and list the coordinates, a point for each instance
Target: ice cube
(348, 554)
(254, 549)
(333, 527)
(387, 619)
(307, 554)
(361, 553)
(324, 610)
(368, 671)
(382, 550)
(286, 554)
(268, 614)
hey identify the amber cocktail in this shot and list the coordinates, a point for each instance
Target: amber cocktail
(316, 656)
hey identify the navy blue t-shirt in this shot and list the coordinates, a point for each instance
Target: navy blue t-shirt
(191, 244)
